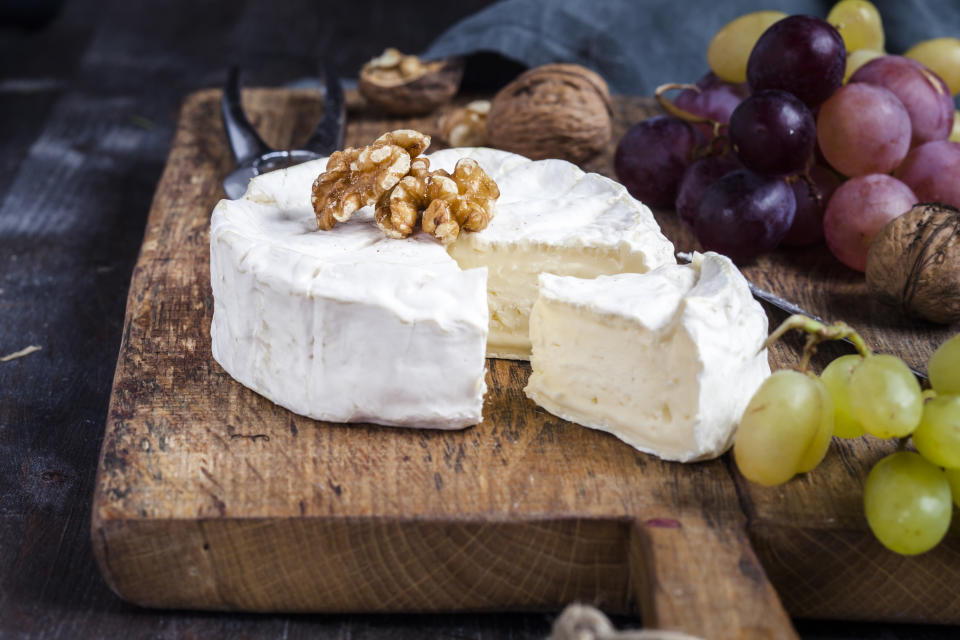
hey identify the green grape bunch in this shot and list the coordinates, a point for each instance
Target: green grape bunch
(786, 429)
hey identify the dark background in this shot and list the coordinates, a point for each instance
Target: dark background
(88, 103)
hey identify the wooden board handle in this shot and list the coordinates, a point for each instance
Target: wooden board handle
(702, 577)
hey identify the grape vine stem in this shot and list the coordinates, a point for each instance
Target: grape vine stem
(817, 332)
(683, 114)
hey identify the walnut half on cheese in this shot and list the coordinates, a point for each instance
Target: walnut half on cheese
(666, 360)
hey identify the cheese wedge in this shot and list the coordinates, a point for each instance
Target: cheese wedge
(666, 361)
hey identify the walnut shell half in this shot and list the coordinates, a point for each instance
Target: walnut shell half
(405, 85)
(914, 262)
(553, 111)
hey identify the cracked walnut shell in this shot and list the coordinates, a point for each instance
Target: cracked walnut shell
(356, 178)
(405, 85)
(553, 111)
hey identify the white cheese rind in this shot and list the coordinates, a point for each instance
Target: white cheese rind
(666, 361)
(347, 325)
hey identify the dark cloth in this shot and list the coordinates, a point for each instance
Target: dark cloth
(639, 44)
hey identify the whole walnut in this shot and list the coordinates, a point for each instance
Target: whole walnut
(914, 262)
(553, 111)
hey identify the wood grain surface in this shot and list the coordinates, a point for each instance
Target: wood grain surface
(209, 496)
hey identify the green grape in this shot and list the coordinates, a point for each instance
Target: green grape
(942, 56)
(836, 377)
(859, 24)
(944, 367)
(821, 439)
(955, 133)
(938, 436)
(785, 428)
(885, 397)
(907, 503)
(731, 46)
(953, 477)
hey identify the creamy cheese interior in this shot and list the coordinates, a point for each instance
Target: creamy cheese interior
(512, 273)
(666, 361)
(551, 218)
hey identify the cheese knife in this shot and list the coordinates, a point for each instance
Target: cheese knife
(252, 154)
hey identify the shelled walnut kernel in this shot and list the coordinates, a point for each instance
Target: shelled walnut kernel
(390, 174)
(356, 178)
(445, 204)
(467, 126)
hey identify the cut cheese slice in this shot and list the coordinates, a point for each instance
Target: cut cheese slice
(666, 361)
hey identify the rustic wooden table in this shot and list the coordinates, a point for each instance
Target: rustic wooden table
(87, 109)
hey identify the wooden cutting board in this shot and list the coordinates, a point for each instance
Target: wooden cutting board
(211, 497)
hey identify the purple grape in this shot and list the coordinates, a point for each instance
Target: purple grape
(715, 100)
(799, 54)
(698, 176)
(863, 129)
(812, 199)
(652, 156)
(932, 170)
(925, 96)
(773, 133)
(744, 214)
(859, 208)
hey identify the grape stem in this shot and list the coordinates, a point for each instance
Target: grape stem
(812, 188)
(818, 332)
(683, 114)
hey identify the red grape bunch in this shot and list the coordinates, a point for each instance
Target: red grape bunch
(788, 140)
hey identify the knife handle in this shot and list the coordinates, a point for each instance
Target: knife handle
(244, 140)
(329, 134)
